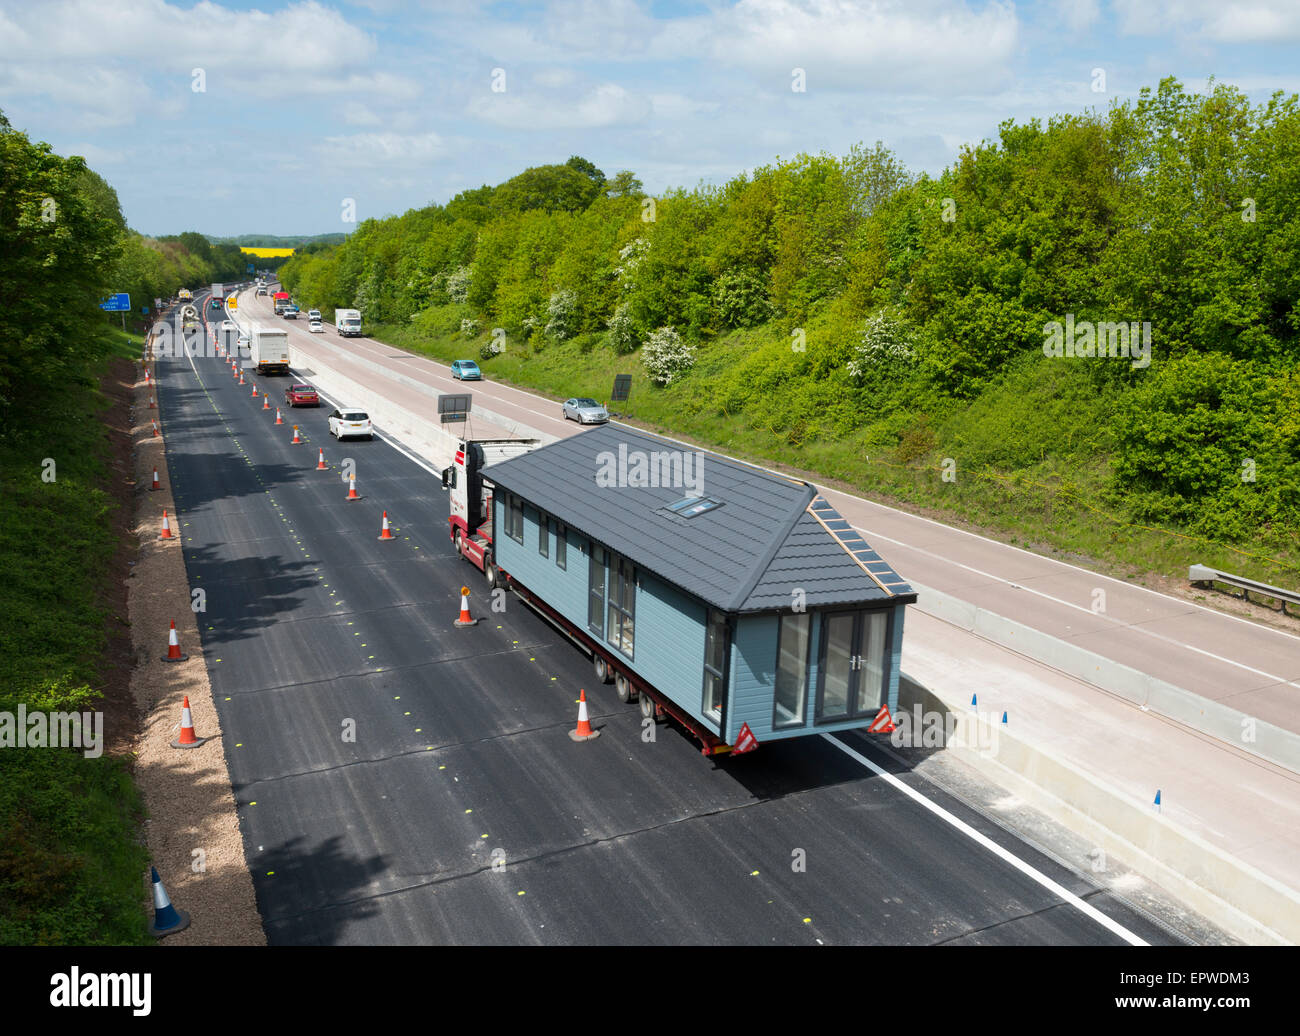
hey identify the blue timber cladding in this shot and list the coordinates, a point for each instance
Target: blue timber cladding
(669, 646)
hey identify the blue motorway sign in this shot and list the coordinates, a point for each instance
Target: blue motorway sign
(119, 303)
(144, 310)
(250, 267)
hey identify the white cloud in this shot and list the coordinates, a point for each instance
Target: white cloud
(383, 150)
(1248, 21)
(942, 45)
(606, 105)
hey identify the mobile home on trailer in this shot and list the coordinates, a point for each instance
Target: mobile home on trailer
(734, 599)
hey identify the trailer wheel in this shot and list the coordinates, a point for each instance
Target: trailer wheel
(648, 710)
(602, 668)
(623, 688)
(489, 571)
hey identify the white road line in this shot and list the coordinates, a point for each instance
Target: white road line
(1119, 623)
(1087, 909)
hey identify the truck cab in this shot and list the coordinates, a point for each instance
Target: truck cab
(470, 522)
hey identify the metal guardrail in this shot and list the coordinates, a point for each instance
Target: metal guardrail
(1203, 575)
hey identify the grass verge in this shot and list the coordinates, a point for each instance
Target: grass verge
(71, 856)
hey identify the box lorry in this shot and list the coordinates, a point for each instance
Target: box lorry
(280, 300)
(269, 350)
(347, 322)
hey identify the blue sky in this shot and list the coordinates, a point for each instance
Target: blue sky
(304, 105)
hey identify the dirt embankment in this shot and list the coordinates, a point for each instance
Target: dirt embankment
(193, 828)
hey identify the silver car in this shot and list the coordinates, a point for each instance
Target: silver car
(585, 411)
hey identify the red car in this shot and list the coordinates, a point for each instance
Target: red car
(301, 395)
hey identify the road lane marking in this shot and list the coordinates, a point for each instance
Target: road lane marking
(1087, 909)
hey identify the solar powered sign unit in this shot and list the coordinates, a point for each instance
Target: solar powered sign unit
(622, 391)
(454, 409)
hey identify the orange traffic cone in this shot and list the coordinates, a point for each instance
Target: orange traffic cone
(352, 488)
(320, 464)
(266, 401)
(152, 404)
(386, 534)
(174, 646)
(464, 619)
(155, 429)
(187, 738)
(278, 418)
(584, 731)
(156, 484)
(166, 533)
(254, 390)
(241, 377)
(295, 441)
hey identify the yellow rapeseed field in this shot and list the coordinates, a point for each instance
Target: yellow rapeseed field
(268, 253)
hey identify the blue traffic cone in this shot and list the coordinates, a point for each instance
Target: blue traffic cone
(166, 918)
(972, 701)
(1004, 717)
(1157, 802)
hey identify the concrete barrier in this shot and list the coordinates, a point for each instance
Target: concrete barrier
(511, 426)
(1222, 722)
(1229, 892)
(424, 437)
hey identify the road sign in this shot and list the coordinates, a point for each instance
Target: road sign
(452, 409)
(745, 741)
(119, 303)
(144, 310)
(157, 303)
(233, 302)
(250, 267)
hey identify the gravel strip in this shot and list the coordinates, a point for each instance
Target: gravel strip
(193, 828)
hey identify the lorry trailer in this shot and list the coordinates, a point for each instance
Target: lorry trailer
(268, 349)
(736, 601)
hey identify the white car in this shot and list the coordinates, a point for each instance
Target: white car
(316, 326)
(227, 326)
(349, 422)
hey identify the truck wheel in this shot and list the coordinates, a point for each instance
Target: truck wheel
(648, 710)
(623, 688)
(489, 571)
(602, 669)
(456, 539)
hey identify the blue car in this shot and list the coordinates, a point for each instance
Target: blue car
(466, 370)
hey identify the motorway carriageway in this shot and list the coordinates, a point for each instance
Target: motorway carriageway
(1239, 663)
(461, 756)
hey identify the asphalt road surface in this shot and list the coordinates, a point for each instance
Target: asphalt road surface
(400, 780)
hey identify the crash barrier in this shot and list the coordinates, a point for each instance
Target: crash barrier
(1204, 576)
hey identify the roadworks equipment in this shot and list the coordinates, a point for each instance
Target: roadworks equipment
(156, 484)
(166, 918)
(295, 441)
(266, 401)
(174, 653)
(187, 737)
(464, 619)
(584, 731)
(278, 418)
(166, 533)
(387, 534)
(320, 464)
(352, 488)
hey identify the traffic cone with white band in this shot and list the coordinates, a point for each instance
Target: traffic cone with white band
(156, 484)
(584, 731)
(320, 464)
(352, 488)
(166, 533)
(295, 441)
(187, 738)
(166, 918)
(174, 653)
(464, 619)
(278, 418)
(386, 534)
